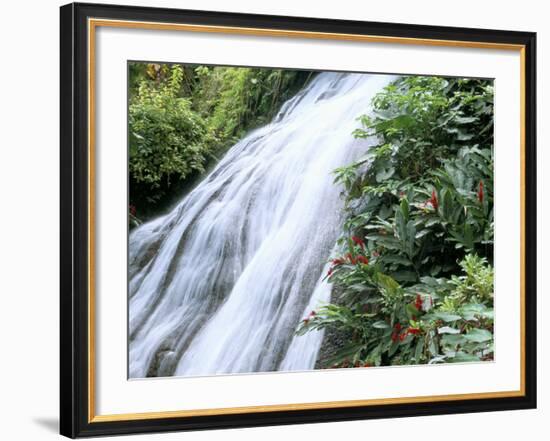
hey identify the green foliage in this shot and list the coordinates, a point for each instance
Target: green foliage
(420, 211)
(183, 117)
(475, 285)
(237, 99)
(433, 321)
(167, 139)
(422, 119)
(424, 228)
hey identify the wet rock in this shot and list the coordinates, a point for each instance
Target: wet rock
(334, 340)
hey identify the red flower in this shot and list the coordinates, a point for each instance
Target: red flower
(351, 258)
(397, 327)
(402, 336)
(418, 302)
(480, 192)
(363, 260)
(329, 272)
(337, 262)
(358, 241)
(433, 200)
(413, 331)
(394, 337)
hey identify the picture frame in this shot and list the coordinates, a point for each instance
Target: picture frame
(80, 176)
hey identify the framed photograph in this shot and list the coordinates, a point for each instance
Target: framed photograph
(273, 220)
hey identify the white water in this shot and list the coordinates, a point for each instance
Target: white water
(220, 284)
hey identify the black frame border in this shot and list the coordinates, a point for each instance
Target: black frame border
(74, 219)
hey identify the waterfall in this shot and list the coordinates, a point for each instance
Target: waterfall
(220, 284)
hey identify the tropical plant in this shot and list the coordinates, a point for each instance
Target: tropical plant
(414, 283)
(183, 117)
(167, 139)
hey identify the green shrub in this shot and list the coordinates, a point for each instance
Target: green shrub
(414, 281)
(167, 138)
(182, 118)
(236, 99)
(432, 321)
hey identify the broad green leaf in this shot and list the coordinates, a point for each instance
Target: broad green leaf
(448, 330)
(478, 335)
(452, 339)
(446, 317)
(462, 357)
(405, 276)
(386, 282)
(465, 119)
(384, 174)
(405, 208)
(396, 258)
(419, 350)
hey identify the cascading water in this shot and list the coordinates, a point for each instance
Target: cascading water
(220, 284)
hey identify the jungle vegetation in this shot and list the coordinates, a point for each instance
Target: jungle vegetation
(182, 118)
(413, 278)
(413, 282)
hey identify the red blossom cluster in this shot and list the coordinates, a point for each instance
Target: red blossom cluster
(358, 241)
(349, 257)
(480, 192)
(309, 317)
(418, 302)
(346, 363)
(356, 260)
(433, 200)
(400, 334)
(395, 333)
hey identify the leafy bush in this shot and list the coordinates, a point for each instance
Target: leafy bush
(236, 99)
(421, 120)
(183, 117)
(415, 282)
(432, 321)
(423, 228)
(167, 139)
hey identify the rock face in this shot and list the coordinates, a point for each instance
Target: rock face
(334, 340)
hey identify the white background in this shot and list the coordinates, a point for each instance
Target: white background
(29, 217)
(114, 394)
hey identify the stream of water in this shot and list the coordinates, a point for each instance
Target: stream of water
(220, 284)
